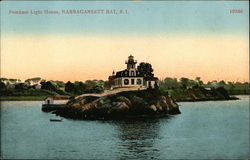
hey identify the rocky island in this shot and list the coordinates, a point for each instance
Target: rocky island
(127, 104)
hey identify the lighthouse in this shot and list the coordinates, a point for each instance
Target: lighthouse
(130, 77)
(131, 62)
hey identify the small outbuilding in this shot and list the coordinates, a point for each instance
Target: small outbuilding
(150, 82)
(55, 100)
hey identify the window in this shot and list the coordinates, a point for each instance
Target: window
(126, 73)
(132, 81)
(138, 81)
(132, 73)
(126, 81)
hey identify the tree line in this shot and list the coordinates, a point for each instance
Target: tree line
(186, 83)
(39, 86)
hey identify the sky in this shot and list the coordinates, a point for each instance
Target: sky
(180, 39)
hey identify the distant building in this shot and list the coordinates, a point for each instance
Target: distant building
(131, 77)
(10, 86)
(55, 100)
(38, 86)
(49, 100)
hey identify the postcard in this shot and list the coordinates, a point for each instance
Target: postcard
(116, 80)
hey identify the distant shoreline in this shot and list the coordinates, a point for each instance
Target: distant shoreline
(204, 100)
(22, 98)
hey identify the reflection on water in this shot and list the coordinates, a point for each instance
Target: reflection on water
(137, 138)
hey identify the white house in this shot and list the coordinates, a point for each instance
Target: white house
(49, 100)
(38, 86)
(55, 100)
(131, 77)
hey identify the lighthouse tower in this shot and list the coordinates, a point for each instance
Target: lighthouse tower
(130, 62)
(131, 66)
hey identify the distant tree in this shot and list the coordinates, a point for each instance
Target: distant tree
(222, 83)
(70, 87)
(48, 86)
(184, 82)
(43, 85)
(169, 83)
(2, 85)
(199, 81)
(223, 91)
(145, 69)
(21, 86)
(230, 85)
(212, 84)
(94, 86)
(89, 86)
(193, 84)
(107, 85)
(98, 89)
(80, 87)
(58, 84)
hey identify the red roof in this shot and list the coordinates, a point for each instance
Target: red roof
(58, 97)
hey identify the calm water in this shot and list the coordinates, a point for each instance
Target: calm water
(204, 130)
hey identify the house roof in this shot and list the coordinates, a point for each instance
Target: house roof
(125, 73)
(58, 97)
(121, 73)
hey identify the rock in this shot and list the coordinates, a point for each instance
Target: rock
(153, 107)
(120, 105)
(125, 100)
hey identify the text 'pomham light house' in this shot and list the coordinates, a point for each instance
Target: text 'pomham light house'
(132, 77)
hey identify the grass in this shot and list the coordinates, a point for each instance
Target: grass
(22, 98)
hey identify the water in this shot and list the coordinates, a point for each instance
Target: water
(204, 130)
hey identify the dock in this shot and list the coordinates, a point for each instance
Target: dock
(52, 107)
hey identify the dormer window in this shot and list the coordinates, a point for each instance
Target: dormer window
(132, 73)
